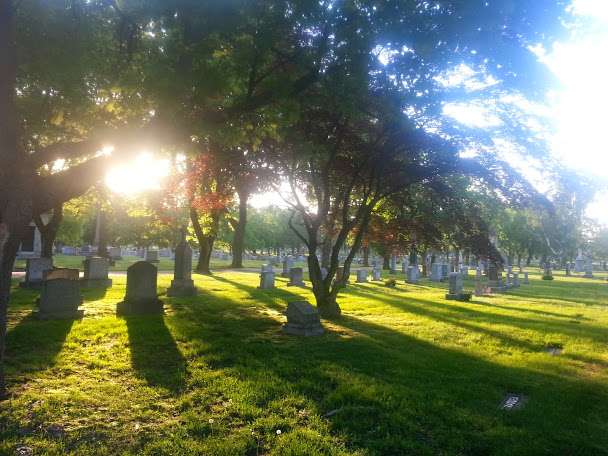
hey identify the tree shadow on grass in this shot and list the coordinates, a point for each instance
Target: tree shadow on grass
(33, 345)
(154, 353)
(457, 315)
(391, 393)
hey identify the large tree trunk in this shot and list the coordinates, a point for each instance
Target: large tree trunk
(48, 232)
(366, 256)
(238, 242)
(205, 240)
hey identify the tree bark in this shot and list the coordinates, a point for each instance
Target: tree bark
(366, 256)
(48, 232)
(238, 242)
(205, 241)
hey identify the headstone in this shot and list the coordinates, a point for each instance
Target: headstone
(508, 283)
(296, 277)
(445, 270)
(141, 296)
(568, 270)
(152, 256)
(34, 272)
(579, 263)
(515, 282)
(405, 264)
(413, 274)
(96, 273)
(302, 319)
(393, 264)
(182, 283)
(494, 278)
(115, 253)
(436, 272)
(455, 291)
(288, 263)
(464, 270)
(266, 280)
(267, 268)
(526, 279)
(362, 276)
(376, 274)
(340, 274)
(60, 298)
(61, 273)
(547, 272)
(588, 269)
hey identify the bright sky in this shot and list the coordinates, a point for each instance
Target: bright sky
(578, 108)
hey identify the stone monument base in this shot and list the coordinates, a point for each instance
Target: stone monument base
(301, 330)
(96, 283)
(140, 307)
(181, 288)
(296, 284)
(463, 297)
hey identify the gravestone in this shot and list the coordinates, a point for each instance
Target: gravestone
(393, 264)
(302, 320)
(60, 297)
(114, 253)
(266, 280)
(508, 283)
(376, 274)
(568, 270)
(182, 283)
(494, 278)
(464, 270)
(96, 273)
(526, 279)
(267, 268)
(362, 276)
(436, 272)
(588, 269)
(34, 272)
(296, 277)
(455, 291)
(340, 274)
(288, 263)
(152, 256)
(515, 282)
(579, 263)
(61, 273)
(445, 270)
(405, 264)
(413, 274)
(547, 272)
(141, 296)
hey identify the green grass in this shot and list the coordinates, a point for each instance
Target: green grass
(403, 372)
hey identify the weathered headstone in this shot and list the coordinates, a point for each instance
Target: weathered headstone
(115, 253)
(141, 296)
(362, 275)
(302, 319)
(436, 272)
(60, 298)
(267, 268)
(61, 273)
(296, 277)
(445, 270)
(405, 264)
(34, 272)
(376, 274)
(579, 263)
(588, 269)
(96, 273)
(152, 256)
(340, 274)
(182, 283)
(266, 280)
(547, 272)
(526, 279)
(515, 282)
(455, 291)
(413, 274)
(393, 264)
(288, 263)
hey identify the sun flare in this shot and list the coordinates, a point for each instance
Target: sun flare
(144, 173)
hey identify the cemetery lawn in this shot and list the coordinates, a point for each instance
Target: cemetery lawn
(403, 372)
